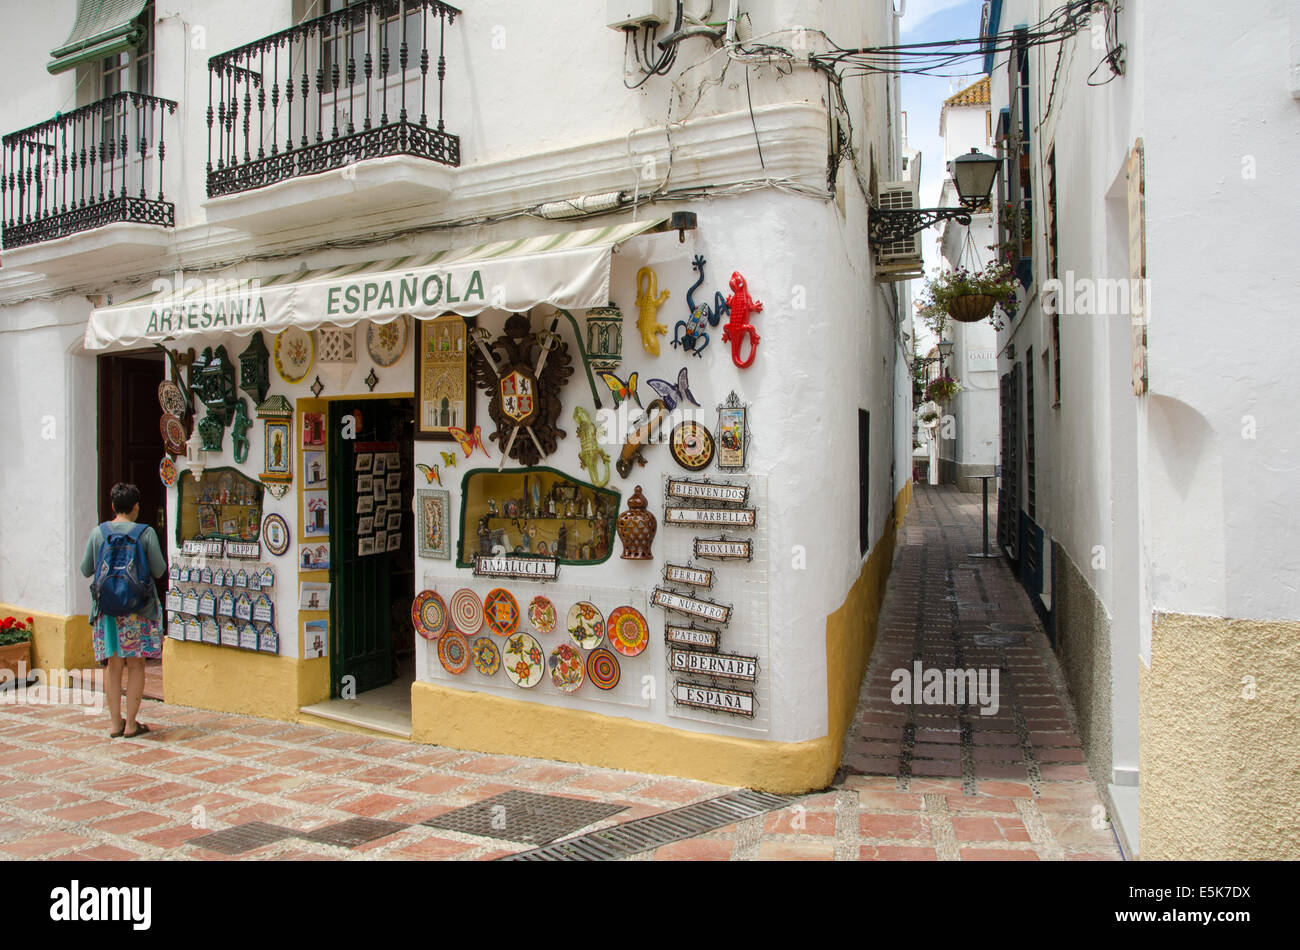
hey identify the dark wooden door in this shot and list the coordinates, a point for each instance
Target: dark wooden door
(367, 589)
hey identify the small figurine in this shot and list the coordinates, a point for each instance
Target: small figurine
(590, 455)
(239, 432)
(639, 437)
(737, 328)
(689, 333)
(562, 542)
(649, 300)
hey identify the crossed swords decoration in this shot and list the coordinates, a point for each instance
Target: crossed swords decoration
(523, 373)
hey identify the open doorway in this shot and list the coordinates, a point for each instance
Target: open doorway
(372, 563)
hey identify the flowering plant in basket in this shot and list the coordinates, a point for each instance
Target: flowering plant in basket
(941, 389)
(12, 631)
(969, 296)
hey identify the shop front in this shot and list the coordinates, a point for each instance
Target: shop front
(517, 483)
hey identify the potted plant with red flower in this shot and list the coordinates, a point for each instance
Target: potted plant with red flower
(16, 645)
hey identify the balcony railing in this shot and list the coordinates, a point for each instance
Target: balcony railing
(350, 85)
(101, 164)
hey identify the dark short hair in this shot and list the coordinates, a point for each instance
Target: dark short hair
(125, 497)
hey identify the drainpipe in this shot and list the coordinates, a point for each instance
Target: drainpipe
(733, 14)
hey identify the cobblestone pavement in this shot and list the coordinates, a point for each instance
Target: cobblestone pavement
(919, 782)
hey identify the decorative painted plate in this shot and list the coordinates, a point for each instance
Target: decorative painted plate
(501, 611)
(387, 341)
(523, 660)
(167, 471)
(173, 434)
(487, 658)
(692, 445)
(627, 631)
(275, 533)
(172, 399)
(541, 614)
(566, 668)
(602, 669)
(466, 611)
(429, 615)
(295, 351)
(586, 624)
(453, 652)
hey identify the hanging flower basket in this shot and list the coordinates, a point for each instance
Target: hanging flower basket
(971, 308)
(941, 389)
(967, 296)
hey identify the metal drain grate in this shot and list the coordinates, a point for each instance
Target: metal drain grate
(526, 817)
(353, 832)
(241, 838)
(645, 834)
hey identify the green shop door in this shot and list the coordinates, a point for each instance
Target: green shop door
(372, 556)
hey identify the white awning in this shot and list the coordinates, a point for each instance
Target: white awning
(569, 270)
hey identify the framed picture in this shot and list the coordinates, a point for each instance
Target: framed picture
(393, 481)
(378, 489)
(316, 517)
(365, 460)
(380, 464)
(365, 484)
(366, 526)
(365, 546)
(365, 504)
(394, 461)
(313, 596)
(394, 541)
(314, 557)
(313, 429)
(207, 520)
(394, 522)
(444, 394)
(276, 450)
(381, 541)
(433, 530)
(733, 434)
(313, 469)
(315, 638)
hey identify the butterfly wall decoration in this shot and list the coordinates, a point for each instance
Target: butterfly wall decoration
(469, 441)
(620, 390)
(449, 459)
(673, 394)
(430, 473)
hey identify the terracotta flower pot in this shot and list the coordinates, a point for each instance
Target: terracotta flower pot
(15, 653)
(971, 308)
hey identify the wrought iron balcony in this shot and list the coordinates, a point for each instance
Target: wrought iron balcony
(101, 164)
(351, 85)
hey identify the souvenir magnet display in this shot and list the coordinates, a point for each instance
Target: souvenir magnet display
(567, 668)
(586, 624)
(523, 660)
(523, 373)
(466, 611)
(648, 301)
(691, 445)
(602, 669)
(541, 614)
(501, 612)
(627, 631)
(275, 533)
(737, 329)
(674, 393)
(487, 658)
(636, 528)
(453, 652)
(640, 436)
(733, 434)
(590, 455)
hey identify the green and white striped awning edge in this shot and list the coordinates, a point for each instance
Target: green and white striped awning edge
(101, 28)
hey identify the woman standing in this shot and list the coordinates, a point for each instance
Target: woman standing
(130, 639)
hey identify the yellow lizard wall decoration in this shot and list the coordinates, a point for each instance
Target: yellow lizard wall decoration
(649, 300)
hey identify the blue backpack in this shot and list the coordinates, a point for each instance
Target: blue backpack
(122, 583)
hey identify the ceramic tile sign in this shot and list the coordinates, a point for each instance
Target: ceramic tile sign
(243, 608)
(721, 492)
(229, 634)
(190, 602)
(209, 631)
(692, 576)
(175, 626)
(721, 517)
(268, 641)
(205, 575)
(226, 604)
(722, 549)
(268, 576)
(704, 609)
(725, 665)
(263, 611)
(508, 565)
(248, 637)
(207, 604)
(691, 636)
(202, 548)
(193, 632)
(244, 550)
(738, 702)
(174, 601)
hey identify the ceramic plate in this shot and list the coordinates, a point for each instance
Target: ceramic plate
(692, 446)
(566, 668)
(275, 533)
(541, 614)
(501, 611)
(453, 652)
(167, 471)
(627, 630)
(586, 624)
(487, 658)
(602, 669)
(173, 434)
(523, 660)
(295, 351)
(387, 341)
(429, 615)
(171, 398)
(466, 611)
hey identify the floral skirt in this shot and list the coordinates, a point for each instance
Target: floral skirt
(128, 636)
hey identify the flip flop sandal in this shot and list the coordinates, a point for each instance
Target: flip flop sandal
(118, 734)
(140, 729)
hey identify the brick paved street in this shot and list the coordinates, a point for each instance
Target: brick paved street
(921, 782)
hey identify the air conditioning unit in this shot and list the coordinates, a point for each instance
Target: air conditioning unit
(899, 260)
(630, 14)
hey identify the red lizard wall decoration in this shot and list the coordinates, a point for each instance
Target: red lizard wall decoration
(738, 327)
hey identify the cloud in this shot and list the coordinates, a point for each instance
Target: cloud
(918, 11)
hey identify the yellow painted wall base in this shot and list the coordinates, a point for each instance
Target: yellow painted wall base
(235, 681)
(60, 643)
(483, 722)
(1219, 717)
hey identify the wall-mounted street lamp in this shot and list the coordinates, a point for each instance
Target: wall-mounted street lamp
(974, 175)
(945, 353)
